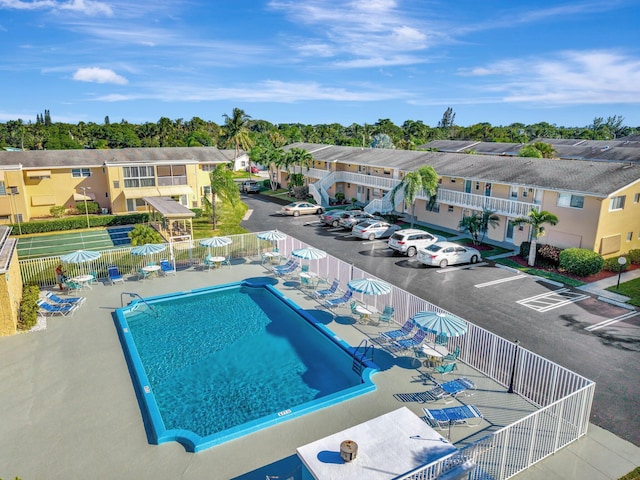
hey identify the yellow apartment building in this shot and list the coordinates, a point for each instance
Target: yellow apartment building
(597, 202)
(31, 182)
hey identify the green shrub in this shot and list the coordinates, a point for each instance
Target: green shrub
(29, 307)
(581, 262)
(633, 256)
(198, 212)
(58, 211)
(92, 207)
(74, 223)
(612, 265)
(524, 249)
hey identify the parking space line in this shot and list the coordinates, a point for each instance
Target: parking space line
(611, 321)
(247, 214)
(502, 280)
(548, 301)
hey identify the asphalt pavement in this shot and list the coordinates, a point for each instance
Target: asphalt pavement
(599, 339)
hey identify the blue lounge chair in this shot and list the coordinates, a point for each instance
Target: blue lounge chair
(336, 302)
(64, 301)
(166, 268)
(391, 335)
(56, 309)
(453, 356)
(286, 269)
(387, 314)
(407, 343)
(445, 369)
(451, 389)
(114, 275)
(446, 417)
(327, 292)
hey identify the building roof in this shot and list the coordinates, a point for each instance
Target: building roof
(93, 158)
(579, 176)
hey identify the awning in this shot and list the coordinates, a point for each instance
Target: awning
(173, 190)
(78, 197)
(38, 173)
(139, 192)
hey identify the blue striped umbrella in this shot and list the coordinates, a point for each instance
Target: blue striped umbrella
(148, 249)
(369, 286)
(80, 256)
(272, 236)
(216, 242)
(440, 323)
(309, 253)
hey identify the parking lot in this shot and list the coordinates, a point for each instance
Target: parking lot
(597, 339)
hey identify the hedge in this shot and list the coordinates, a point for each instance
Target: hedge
(78, 222)
(29, 307)
(581, 262)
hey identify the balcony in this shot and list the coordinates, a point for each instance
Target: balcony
(502, 206)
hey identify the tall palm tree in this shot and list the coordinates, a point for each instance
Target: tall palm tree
(236, 132)
(424, 179)
(223, 186)
(536, 220)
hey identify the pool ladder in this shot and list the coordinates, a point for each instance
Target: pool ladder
(360, 354)
(135, 295)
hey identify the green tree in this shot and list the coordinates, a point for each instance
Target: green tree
(222, 187)
(143, 234)
(424, 179)
(478, 224)
(536, 220)
(236, 133)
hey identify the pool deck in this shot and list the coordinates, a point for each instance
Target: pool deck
(69, 409)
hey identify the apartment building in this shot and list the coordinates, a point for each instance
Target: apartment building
(597, 202)
(31, 182)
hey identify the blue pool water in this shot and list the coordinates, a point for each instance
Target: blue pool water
(217, 363)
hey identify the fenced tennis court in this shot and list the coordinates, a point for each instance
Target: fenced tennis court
(59, 244)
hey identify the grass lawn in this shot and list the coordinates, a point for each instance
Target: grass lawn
(229, 219)
(629, 289)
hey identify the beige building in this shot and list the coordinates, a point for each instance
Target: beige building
(597, 202)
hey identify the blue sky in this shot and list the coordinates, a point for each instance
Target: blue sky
(321, 61)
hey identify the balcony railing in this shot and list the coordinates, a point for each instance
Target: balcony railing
(502, 206)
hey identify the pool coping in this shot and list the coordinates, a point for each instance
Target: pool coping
(154, 425)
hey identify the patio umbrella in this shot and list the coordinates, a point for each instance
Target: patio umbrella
(440, 324)
(80, 257)
(272, 236)
(369, 286)
(215, 242)
(309, 253)
(148, 249)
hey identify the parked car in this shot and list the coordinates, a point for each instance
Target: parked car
(409, 240)
(442, 254)
(250, 186)
(370, 229)
(254, 169)
(301, 208)
(332, 217)
(349, 220)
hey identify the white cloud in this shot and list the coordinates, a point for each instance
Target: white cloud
(99, 75)
(87, 7)
(566, 78)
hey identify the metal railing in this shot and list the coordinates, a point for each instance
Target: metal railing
(563, 397)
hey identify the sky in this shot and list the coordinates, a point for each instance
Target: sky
(321, 61)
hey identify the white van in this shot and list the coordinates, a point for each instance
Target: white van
(407, 241)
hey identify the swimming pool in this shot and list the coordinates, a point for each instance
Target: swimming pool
(217, 363)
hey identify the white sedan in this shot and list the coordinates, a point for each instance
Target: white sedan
(370, 229)
(442, 254)
(301, 208)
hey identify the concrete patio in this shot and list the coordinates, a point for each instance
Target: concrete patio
(70, 410)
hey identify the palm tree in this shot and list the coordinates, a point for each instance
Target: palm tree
(536, 220)
(476, 224)
(424, 179)
(223, 186)
(236, 132)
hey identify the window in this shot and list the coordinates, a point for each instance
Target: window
(514, 192)
(453, 180)
(3, 188)
(116, 184)
(450, 208)
(80, 172)
(569, 200)
(435, 208)
(134, 203)
(206, 190)
(171, 175)
(138, 177)
(629, 236)
(209, 168)
(617, 203)
(477, 185)
(636, 198)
